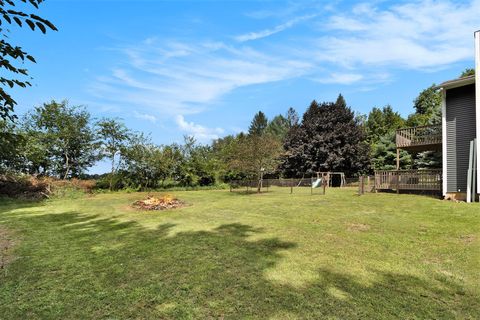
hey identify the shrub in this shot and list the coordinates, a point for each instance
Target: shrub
(32, 187)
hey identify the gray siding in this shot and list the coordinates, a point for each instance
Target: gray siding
(460, 117)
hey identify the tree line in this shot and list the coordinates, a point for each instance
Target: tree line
(63, 141)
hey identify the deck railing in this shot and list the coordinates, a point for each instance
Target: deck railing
(428, 180)
(419, 136)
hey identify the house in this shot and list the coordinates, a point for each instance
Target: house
(458, 137)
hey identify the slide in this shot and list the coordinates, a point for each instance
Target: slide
(317, 183)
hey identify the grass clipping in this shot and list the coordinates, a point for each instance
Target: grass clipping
(163, 203)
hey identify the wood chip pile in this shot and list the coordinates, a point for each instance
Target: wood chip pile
(162, 203)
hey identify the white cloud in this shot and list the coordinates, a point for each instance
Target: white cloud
(419, 35)
(201, 133)
(178, 78)
(361, 46)
(144, 116)
(268, 32)
(341, 78)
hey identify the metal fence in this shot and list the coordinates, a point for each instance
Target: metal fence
(265, 184)
(365, 184)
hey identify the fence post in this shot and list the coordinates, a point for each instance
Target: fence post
(398, 182)
(360, 186)
(291, 185)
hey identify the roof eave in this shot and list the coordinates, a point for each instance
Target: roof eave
(456, 83)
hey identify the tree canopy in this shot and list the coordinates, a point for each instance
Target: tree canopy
(381, 122)
(66, 136)
(259, 124)
(328, 139)
(113, 135)
(467, 72)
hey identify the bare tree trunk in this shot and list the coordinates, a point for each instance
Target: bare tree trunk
(112, 172)
(67, 164)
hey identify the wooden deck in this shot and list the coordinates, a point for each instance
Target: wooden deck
(420, 138)
(420, 180)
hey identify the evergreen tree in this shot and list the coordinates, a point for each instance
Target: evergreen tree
(384, 154)
(468, 72)
(278, 127)
(341, 101)
(381, 122)
(292, 117)
(259, 124)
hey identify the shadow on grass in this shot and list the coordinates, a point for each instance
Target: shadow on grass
(78, 266)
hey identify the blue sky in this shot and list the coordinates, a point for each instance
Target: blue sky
(203, 68)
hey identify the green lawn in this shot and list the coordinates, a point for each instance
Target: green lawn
(233, 255)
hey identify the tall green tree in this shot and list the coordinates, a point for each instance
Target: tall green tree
(198, 164)
(12, 144)
(259, 124)
(255, 155)
(224, 152)
(467, 72)
(292, 117)
(384, 154)
(10, 54)
(381, 122)
(113, 138)
(428, 111)
(140, 166)
(428, 108)
(278, 127)
(67, 136)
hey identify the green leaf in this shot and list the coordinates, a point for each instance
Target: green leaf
(7, 18)
(29, 57)
(34, 3)
(30, 24)
(18, 21)
(41, 27)
(44, 21)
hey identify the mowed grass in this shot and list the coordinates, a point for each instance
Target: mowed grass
(232, 255)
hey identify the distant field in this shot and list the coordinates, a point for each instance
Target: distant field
(233, 255)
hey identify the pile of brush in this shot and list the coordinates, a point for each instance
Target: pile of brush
(154, 203)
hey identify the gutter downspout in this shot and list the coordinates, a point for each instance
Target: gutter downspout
(477, 100)
(444, 142)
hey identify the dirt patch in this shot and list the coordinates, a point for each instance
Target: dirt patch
(358, 227)
(163, 203)
(468, 238)
(7, 242)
